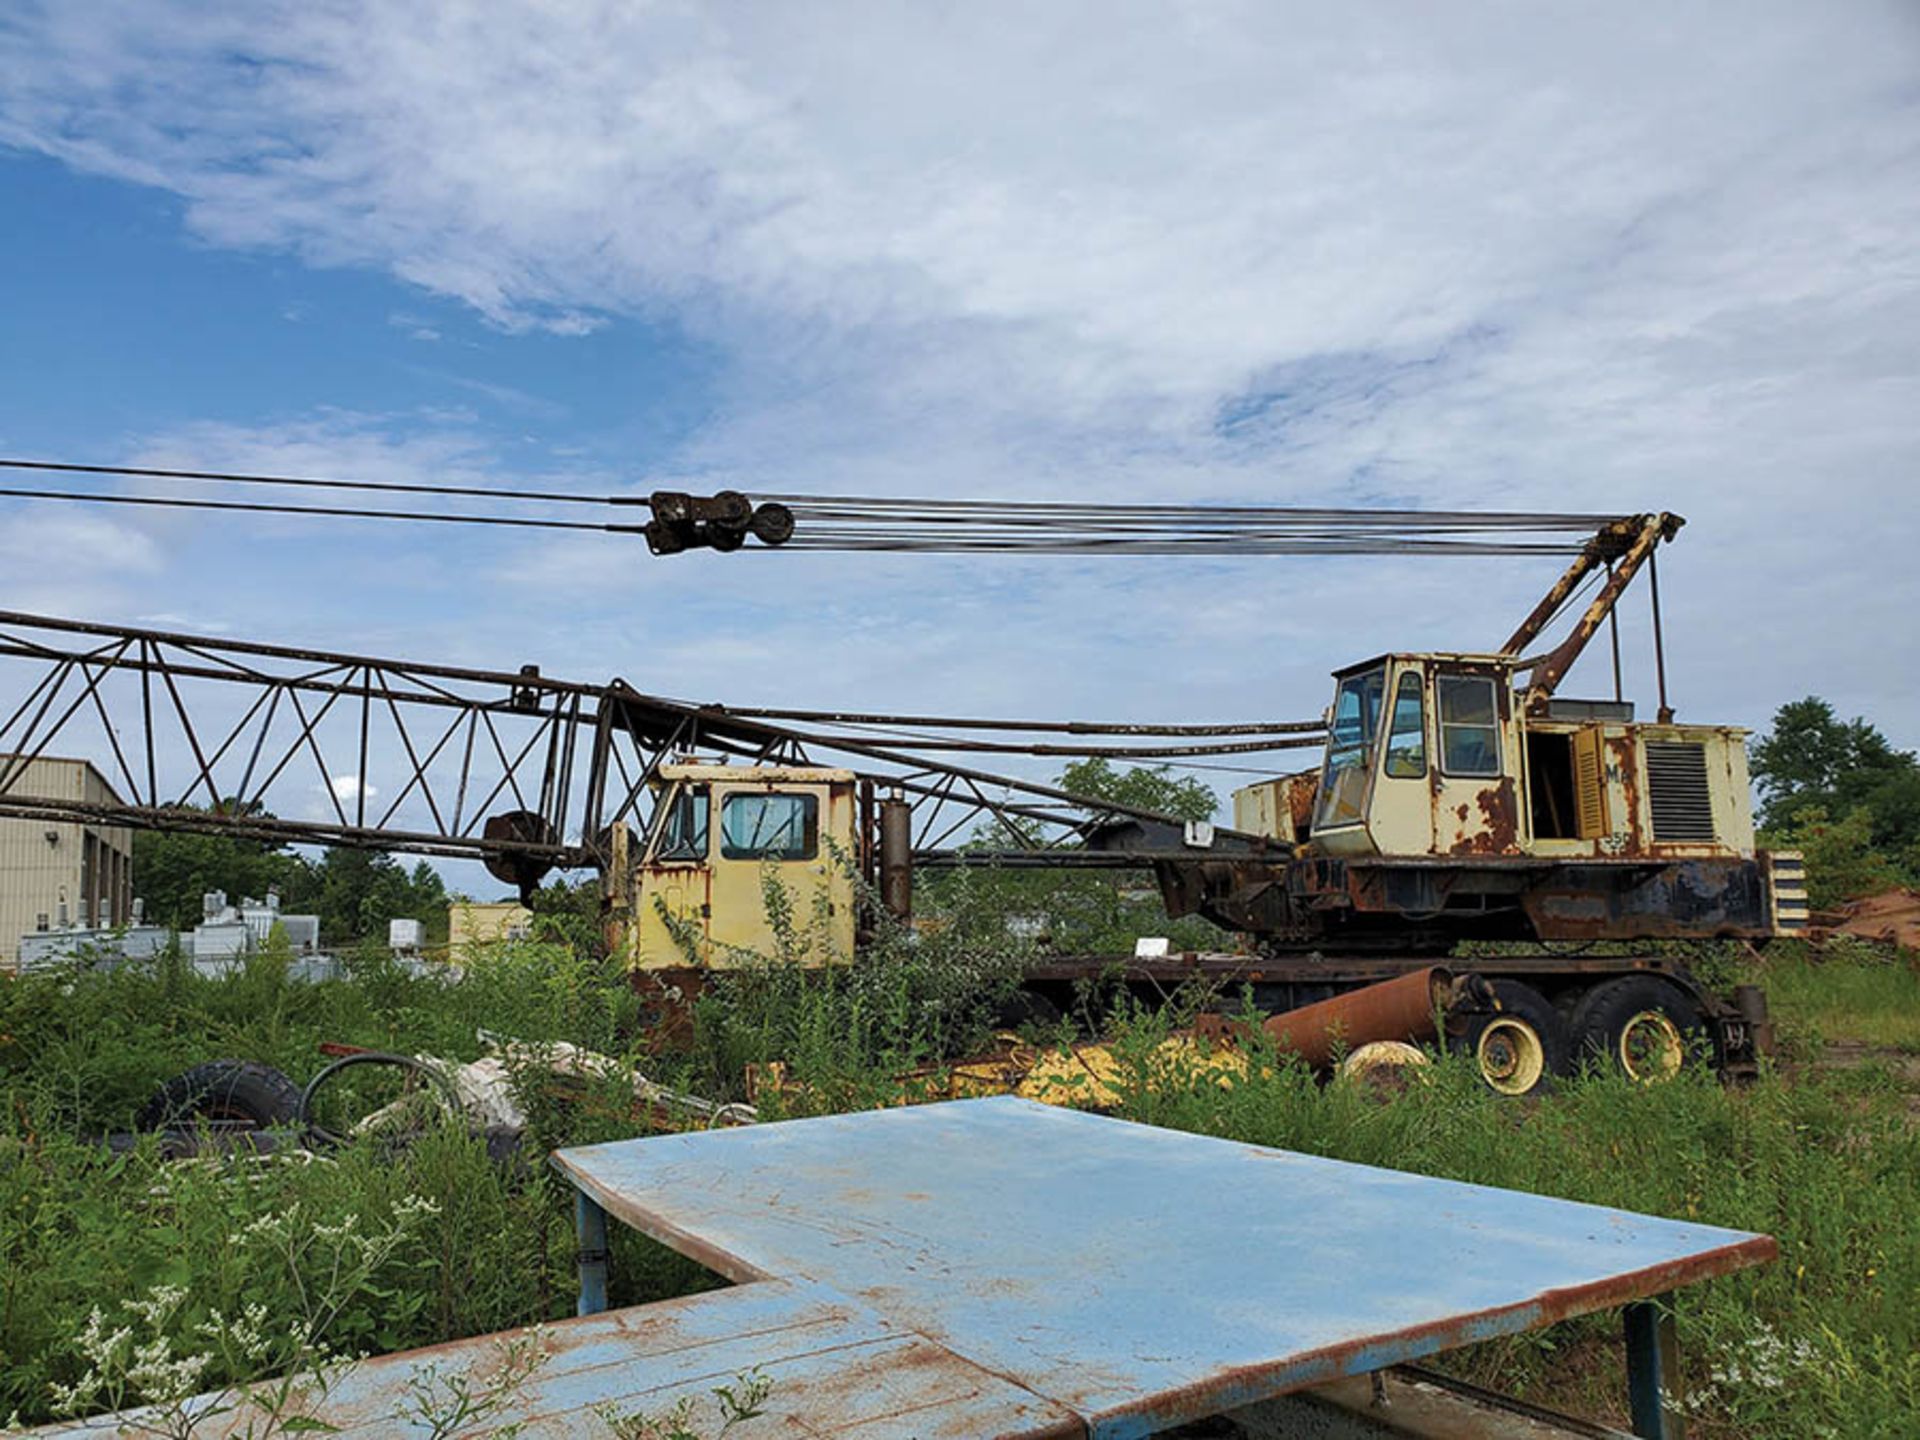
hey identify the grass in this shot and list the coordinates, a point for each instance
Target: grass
(1858, 994)
(1824, 1343)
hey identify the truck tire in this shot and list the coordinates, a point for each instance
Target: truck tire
(1520, 1048)
(231, 1094)
(1025, 1007)
(1640, 1025)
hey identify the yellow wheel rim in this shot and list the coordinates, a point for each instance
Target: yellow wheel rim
(1651, 1047)
(1510, 1055)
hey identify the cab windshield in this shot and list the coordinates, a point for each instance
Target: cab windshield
(1356, 720)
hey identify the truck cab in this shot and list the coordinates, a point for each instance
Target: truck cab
(723, 841)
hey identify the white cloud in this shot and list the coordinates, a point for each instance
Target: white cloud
(1442, 256)
(56, 561)
(347, 787)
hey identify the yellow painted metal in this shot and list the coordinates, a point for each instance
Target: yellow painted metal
(1590, 782)
(1651, 1048)
(1399, 812)
(1382, 1057)
(1391, 808)
(709, 910)
(1510, 1055)
(1281, 808)
(1082, 1076)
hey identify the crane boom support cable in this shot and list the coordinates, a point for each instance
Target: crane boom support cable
(1038, 727)
(854, 540)
(881, 524)
(1139, 752)
(170, 502)
(391, 486)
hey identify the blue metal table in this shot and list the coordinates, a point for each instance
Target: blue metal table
(837, 1369)
(1139, 1277)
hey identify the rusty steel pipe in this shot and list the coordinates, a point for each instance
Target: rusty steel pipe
(1403, 1008)
(896, 857)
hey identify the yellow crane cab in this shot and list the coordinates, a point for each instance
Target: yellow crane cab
(727, 839)
(1437, 755)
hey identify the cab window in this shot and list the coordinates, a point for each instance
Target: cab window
(1356, 716)
(770, 825)
(1469, 725)
(1407, 736)
(683, 834)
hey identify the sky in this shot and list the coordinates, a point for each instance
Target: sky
(1473, 256)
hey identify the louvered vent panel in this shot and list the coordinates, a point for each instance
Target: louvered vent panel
(1677, 786)
(1589, 787)
(1788, 871)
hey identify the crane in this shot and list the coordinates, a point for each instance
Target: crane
(1458, 795)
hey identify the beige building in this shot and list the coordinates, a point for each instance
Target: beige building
(62, 872)
(476, 923)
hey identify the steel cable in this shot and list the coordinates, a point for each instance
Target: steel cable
(882, 524)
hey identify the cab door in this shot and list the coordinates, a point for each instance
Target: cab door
(1401, 813)
(1474, 795)
(771, 854)
(673, 900)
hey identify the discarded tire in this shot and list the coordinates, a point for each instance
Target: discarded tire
(1640, 1025)
(231, 1094)
(1026, 1007)
(1520, 1047)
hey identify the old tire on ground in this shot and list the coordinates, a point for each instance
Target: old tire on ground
(1520, 1048)
(228, 1094)
(1640, 1025)
(1023, 1008)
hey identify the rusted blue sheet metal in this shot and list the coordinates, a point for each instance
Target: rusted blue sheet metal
(1140, 1277)
(836, 1368)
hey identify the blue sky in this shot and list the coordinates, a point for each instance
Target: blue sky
(1486, 256)
(121, 324)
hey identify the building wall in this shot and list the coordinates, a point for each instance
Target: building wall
(47, 863)
(472, 923)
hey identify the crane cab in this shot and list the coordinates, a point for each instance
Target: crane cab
(730, 844)
(1434, 756)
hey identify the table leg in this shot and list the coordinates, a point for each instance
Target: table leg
(590, 1222)
(1653, 1370)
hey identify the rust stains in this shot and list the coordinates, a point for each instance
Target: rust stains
(1498, 829)
(1402, 1008)
(1622, 752)
(1301, 792)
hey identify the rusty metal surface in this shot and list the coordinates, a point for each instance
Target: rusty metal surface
(1139, 1277)
(896, 858)
(1521, 897)
(1230, 969)
(1646, 532)
(836, 1368)
(1403, 1008)
(207, 735)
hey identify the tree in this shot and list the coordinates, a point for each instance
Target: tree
(1146, 787)
(173, 869)
(1841, 860)
(356, 892)
(1811, 759)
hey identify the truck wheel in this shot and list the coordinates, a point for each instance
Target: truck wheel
(1640, 1025)
(1520, 1047)
(225, 1094)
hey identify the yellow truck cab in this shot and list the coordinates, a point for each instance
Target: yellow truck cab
(721, 835)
